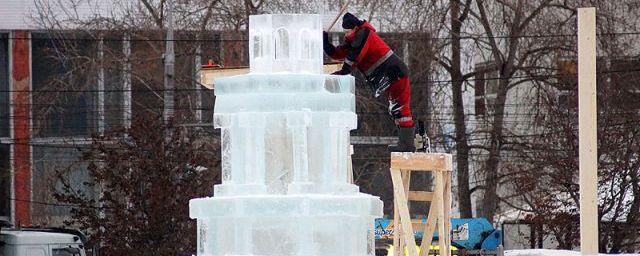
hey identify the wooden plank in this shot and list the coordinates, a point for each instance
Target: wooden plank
(207, 76)
(396, 226)
(422, 196)
(588, 131)
(447, 212)
(439, 193)
(420, 161)
(417, 224)
(406, 182)
(403, 210)
(447, 202)
(430, 226)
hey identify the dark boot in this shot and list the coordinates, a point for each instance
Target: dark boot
(406, 137)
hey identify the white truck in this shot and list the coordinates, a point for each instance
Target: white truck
(41, 242)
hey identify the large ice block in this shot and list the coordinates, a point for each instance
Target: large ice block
(285, 43)
(285, 155)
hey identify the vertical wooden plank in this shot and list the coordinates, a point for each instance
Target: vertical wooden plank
(396, 225)
(403, 210)
(447, 202)
(447, 211)
(441, 225)
(430, 226)
(406, 181)
(588, 131)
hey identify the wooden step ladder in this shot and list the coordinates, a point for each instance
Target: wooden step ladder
(402, 165)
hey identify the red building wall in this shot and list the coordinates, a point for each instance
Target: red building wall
(21, 98)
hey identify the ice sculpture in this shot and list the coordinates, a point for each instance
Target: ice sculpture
(285, 139)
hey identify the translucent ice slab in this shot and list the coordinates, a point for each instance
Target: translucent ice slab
(284, 83)
(284, 92)
(285, 43)
(309, 225)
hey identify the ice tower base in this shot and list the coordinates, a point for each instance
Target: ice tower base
(297, 225)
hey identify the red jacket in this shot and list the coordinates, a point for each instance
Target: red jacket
(363, 49)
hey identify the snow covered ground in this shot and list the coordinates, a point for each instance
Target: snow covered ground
(544, 252)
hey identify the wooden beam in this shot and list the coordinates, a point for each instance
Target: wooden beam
(421, 161)
(588, 131)
(422, 196)
(403, 210)
(402, 165)
(207, 76)
(441, 215)
(446, 202)
(429, 227)
(406, 182)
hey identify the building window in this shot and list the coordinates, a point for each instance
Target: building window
(50, 162)
(624, 83)
(486, 88)
(64, 77)
(4, 87)
(113, 64)
(567, 83)
(5, 182)
(5, 114)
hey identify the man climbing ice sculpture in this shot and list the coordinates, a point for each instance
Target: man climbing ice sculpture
(384, 71)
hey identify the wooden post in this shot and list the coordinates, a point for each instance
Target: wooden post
(588, 131)
(403, 210)
(402, 165)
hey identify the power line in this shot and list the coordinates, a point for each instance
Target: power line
(56, 204)
(463, 37)
(148, 90)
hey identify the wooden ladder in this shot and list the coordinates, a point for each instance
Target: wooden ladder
(402, 165)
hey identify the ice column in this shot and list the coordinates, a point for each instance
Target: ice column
(284, 132)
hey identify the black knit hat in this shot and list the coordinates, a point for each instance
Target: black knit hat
(350, 21)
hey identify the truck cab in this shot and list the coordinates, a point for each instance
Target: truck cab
(41, 242)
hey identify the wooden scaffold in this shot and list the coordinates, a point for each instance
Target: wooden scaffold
(439, 215)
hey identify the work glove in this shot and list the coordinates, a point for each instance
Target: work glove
(346, 70)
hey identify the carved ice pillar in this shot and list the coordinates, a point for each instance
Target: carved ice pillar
(298, 124)
(252, 130)
(243, 152)
(340, 124)
(335, 152)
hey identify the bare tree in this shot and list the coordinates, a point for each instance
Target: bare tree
(145, 182)
(511, 28)
(546, 178)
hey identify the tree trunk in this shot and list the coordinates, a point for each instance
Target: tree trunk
(490, 199)
(462, 146)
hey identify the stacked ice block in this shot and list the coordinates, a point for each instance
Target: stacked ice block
(285, 153)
